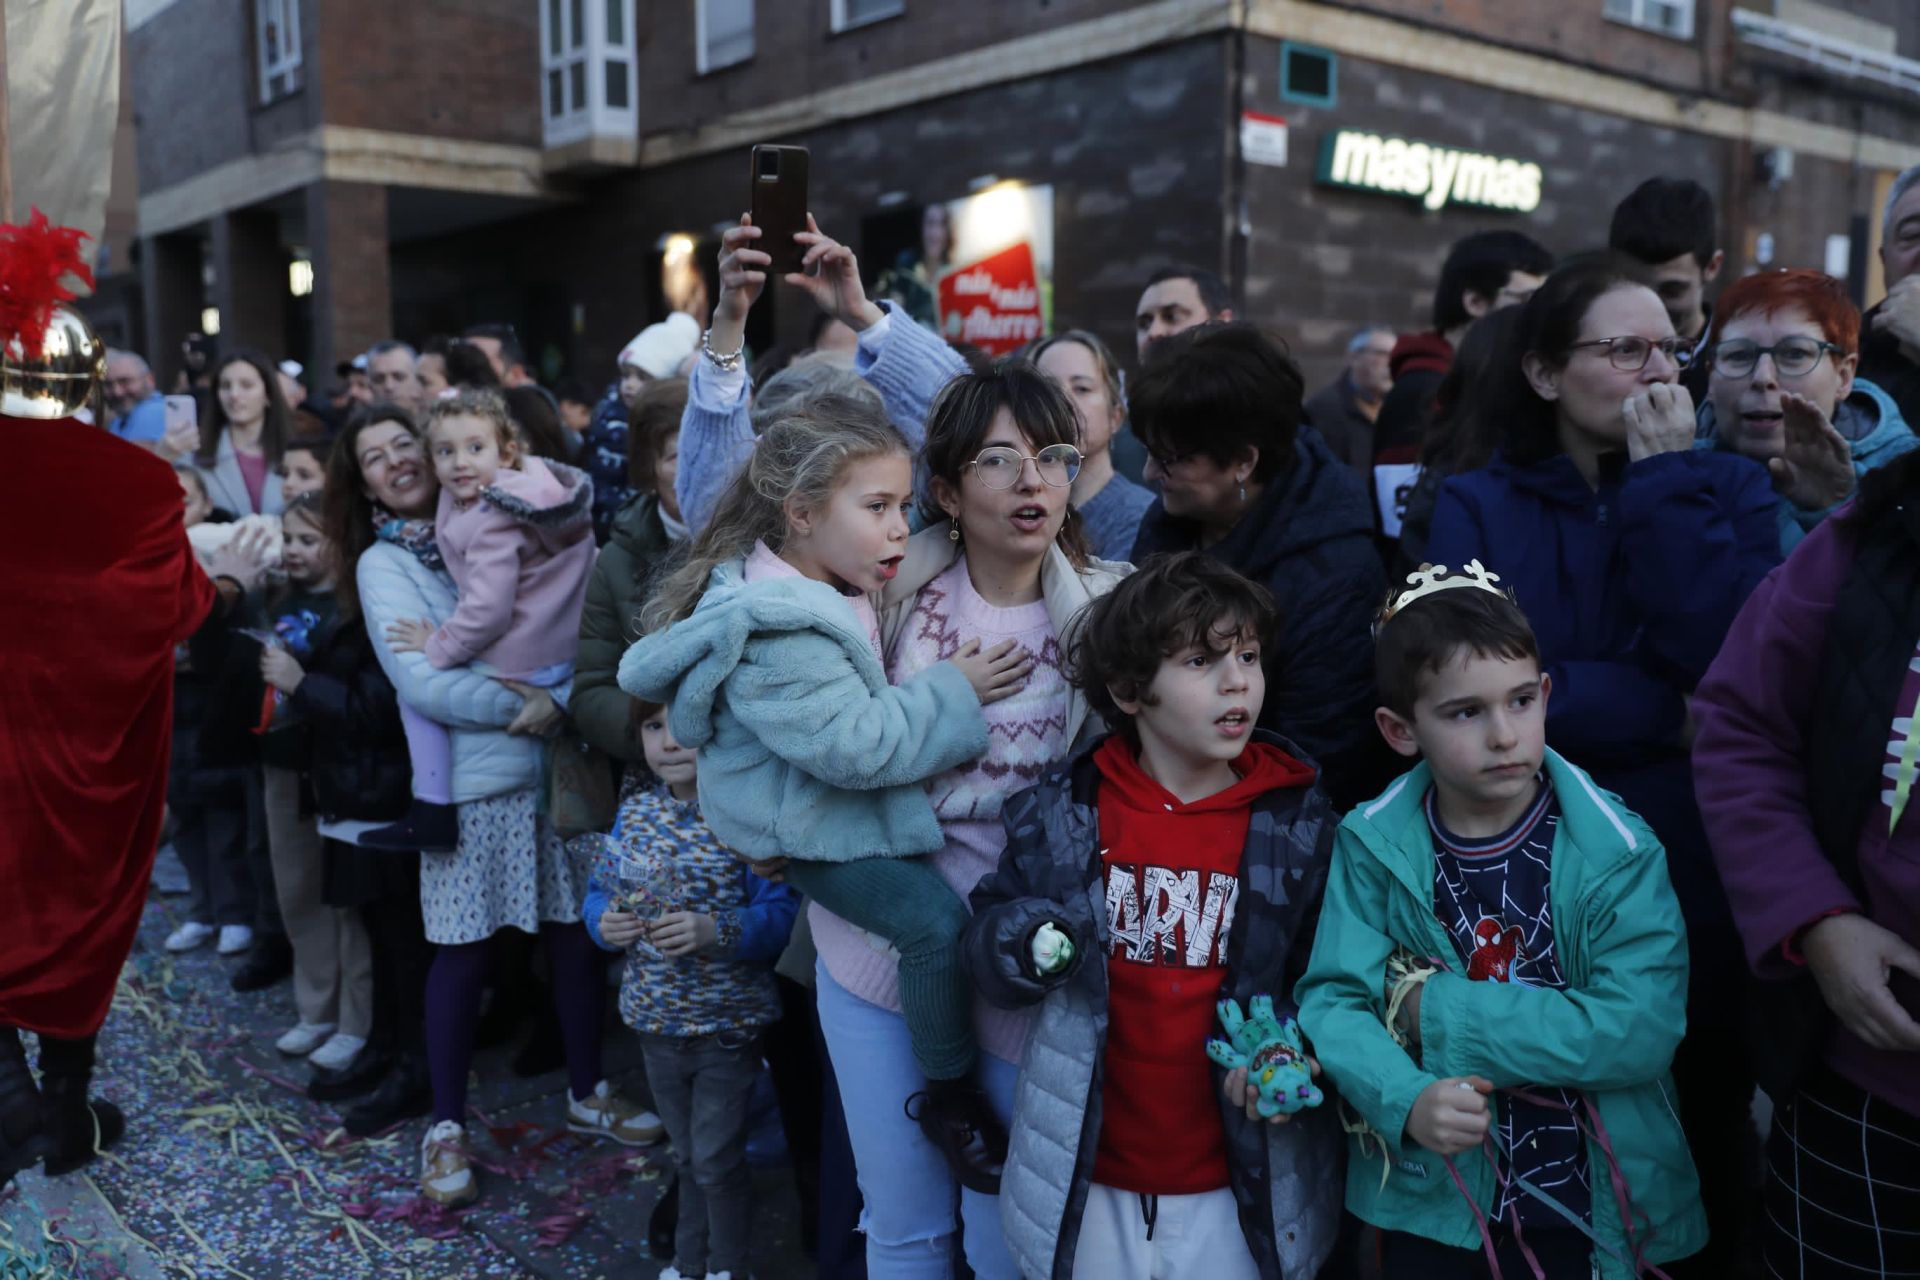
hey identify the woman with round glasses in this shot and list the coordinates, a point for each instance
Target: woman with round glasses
(1630, 551)
(1219, 410)
(1003, 566)
(1783, 350)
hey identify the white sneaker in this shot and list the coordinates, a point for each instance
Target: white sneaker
(189, 935)
(304, 1039)
(338, 1053)
(446, 1174)
(235, 938)
(672, 1273)
(606, 1114)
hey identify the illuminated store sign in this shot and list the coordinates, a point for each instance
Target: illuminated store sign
(1435, 176)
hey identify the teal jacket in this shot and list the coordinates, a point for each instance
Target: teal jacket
(1868, 417)
(1610, 1034)
(805, 750)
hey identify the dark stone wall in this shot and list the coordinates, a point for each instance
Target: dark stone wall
(1322, 261)
(1134, 148)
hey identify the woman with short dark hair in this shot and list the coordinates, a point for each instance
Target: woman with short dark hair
(1219, 410)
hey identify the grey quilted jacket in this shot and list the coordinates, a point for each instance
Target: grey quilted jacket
(1287, 1179)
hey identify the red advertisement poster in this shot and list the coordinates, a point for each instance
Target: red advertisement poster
(993, 303)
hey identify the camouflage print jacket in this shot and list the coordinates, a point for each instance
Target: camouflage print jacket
(1288, 1179)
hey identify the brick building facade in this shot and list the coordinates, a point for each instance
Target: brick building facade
(532, 160)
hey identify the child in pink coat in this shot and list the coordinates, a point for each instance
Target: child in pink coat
(516, 535)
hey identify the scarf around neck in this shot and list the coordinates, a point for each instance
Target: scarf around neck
(412, 534)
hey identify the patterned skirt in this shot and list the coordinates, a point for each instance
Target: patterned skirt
(1843, 1186)
(511, 871)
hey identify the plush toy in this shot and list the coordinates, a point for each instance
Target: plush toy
(1273, 1053)
(1051, 950)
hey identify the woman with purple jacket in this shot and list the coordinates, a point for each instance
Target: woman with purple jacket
(1804, 764)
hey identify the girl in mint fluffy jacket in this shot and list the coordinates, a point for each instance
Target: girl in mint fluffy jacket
(765, 647)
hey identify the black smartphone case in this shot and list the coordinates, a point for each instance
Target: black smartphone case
(779, 206)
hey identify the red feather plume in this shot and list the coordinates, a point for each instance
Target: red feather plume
(34, 263)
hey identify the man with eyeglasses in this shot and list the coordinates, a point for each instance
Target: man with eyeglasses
(1668, 226)
(1890, 344)
(1783, 391)
(393, 373)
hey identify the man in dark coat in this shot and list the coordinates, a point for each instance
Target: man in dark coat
(1343, 411)
(1890, 338)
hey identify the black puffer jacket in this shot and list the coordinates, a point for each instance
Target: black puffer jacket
(1886, 364)
(1286, 1179)
(1308, 538)
(360, 768)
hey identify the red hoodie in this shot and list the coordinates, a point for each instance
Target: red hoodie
(1173, 881)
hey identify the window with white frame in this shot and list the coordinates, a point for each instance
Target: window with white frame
(848, 14)
(277, 34)
(587, 69)
(723, 33)
(1667, 17)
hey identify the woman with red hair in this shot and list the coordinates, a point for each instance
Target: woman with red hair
(1783, 348)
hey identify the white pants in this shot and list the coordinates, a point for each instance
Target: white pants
(1193, 1238)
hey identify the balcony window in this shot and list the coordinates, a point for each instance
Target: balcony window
(848, 14)
(277, 33)
(587, 71)
(1666, 17)
(723, 33)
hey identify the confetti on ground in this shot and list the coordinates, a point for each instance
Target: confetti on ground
(228, 1171)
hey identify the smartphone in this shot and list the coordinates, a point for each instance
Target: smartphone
(182, 411)
(779, 203)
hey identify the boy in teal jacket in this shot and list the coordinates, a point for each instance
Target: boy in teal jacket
(1499, 979)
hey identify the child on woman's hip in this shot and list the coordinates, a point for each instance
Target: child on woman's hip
(515, 533)
(766, 647)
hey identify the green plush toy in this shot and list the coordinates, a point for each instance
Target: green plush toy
(1273, 1053)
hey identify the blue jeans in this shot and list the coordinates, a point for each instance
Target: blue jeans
(910, 1195)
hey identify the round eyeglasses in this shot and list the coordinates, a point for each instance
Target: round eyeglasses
(1792, 357)
(1630, 353)
(999, 466)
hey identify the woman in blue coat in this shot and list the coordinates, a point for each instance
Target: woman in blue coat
(1631, 552)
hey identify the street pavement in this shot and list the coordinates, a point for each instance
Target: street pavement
(227, 1170)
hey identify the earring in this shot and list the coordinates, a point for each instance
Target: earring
(1243, 493)
(953, 532)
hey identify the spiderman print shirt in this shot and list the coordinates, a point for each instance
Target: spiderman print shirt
(1491, 896)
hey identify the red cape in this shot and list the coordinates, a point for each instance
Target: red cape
(97, 586)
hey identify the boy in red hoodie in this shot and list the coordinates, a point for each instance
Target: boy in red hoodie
(1177, 862)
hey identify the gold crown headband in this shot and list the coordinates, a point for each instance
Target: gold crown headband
(1430, 579)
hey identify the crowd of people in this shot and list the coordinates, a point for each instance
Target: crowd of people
(1529, 713)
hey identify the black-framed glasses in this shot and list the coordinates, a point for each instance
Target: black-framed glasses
(1792, 357)
(1630, 353)
(999, 466)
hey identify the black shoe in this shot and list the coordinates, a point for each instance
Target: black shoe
(270, 962)
(76, 1125)
(23, 1138)
(429, 828)
(362, 1076)
(960, 1122)
(665, 1222)
(404, 1094)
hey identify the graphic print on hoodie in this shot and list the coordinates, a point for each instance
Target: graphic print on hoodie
(1172, 875)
